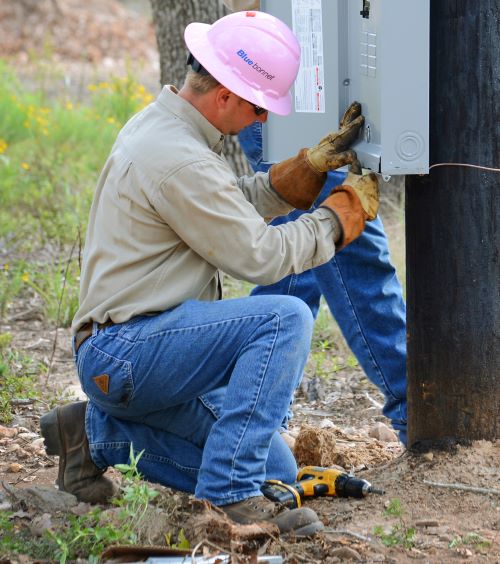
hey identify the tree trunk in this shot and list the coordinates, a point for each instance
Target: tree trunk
(453, 236)
(170, 18)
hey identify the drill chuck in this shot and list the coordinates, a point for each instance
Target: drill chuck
(349, 486)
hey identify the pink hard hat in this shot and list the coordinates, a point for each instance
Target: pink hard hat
(253, 54)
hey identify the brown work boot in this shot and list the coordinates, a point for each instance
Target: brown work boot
(63, 429)
(301, 522)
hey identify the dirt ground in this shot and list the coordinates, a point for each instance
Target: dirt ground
(344, 428)
(337, 419)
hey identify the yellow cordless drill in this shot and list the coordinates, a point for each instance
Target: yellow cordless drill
(314, 481)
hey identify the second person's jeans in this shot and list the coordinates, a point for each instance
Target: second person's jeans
(363, 293)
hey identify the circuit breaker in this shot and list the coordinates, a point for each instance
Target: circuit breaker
(372, 51)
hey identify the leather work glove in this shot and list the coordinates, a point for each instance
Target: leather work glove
(354, 202)
(299, 180)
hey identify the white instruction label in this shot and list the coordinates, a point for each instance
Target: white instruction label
(309, 85)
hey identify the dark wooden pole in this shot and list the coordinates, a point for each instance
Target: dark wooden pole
(453, 236)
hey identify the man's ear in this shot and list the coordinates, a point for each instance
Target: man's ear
(222, 97)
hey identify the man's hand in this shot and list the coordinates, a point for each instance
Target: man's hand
(332, 151)
(299, 180)
(367, 190)
(354, 202)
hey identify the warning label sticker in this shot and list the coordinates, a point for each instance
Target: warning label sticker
(309, 85)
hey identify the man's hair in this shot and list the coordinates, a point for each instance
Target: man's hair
(200, 83)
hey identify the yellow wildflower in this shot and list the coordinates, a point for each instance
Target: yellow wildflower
(69, 106)
(26, 166)
(25, 277)
(6, 266)
(3, 146)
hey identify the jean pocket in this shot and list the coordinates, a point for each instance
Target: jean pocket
(106, 380)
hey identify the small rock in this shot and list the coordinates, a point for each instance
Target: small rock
(81, 509)
(27, 436)
(326, 424)
(428, 456)
(439, 530)
(13, 448)
(21, 421)
(37, 444)
(382, 432)
(8, 432)
(15, 468)
(345, 553)
(313, 389)
(464, 552)
(426, 523)
(415, 553)
(42, 498)
(40, 524)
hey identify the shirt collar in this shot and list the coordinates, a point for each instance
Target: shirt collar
(169, 99)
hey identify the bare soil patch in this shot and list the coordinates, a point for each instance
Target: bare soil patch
(341, 428)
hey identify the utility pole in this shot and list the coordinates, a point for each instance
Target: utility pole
(453, 236)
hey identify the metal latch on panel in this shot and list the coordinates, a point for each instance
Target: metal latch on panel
(365, 12)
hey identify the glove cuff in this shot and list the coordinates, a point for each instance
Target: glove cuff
(346, 205)
(296, 182)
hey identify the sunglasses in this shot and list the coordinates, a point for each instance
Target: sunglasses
(258, 110)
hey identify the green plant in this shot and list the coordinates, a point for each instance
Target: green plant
(136, 494)
(57, 284)
(17, 377)
(474, 539)
(11, 284)
(318, 358)
(90, 534)
(400, 534)
(182, 542)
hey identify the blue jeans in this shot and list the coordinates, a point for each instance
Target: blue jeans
(202, 389)
(362, 291)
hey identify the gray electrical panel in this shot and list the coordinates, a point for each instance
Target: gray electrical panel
(376, 52)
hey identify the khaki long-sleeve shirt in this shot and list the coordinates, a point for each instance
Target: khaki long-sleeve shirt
(169, 214)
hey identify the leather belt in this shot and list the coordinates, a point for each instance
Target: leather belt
(85, 332)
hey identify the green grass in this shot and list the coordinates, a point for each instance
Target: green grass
(51, 152)
(19, 377)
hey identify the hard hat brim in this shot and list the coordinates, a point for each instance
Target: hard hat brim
(195, 37)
